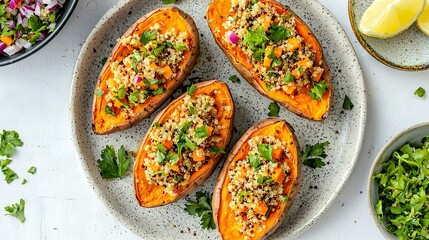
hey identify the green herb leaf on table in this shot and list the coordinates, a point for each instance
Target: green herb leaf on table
(24, 181)
(16, 210)
(111, 166)
(420, 92)
(32, 170)
(318, 90)
(9, 174)
(234, 79)
(274, 109)
(347, 104)
(202, 207)
(9, 141)
(313, 156)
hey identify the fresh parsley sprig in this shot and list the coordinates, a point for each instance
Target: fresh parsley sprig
(202, 207)
(313, 156)
(111, 166)
(9, 140)
(16, 210)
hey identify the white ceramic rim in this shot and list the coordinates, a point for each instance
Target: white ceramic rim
(371, 173)
(128, 222)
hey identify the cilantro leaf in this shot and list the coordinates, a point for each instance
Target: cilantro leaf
(202, 207)
(254, 161)
(9, 140)
(288, 78)
(24, 181)
(266, 151)
(16, 210)
(180, 47)
(148, 36)
(313, 156)
(318, 89)
(278, 33)
(274, 109)
(191, 89)
(109, 110)
(216, 149)
(9, 174)
(263, 180)
(201, 132)
(234, 79)
(111, 166)
(347, 104)
(158, 50)
(420, 92)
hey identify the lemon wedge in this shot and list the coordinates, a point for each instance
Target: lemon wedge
(387, 18)
(423, 20)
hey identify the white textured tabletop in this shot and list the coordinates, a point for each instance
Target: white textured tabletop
(34, 96)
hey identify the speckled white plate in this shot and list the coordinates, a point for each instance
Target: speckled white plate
(407, 51)
(344, 129)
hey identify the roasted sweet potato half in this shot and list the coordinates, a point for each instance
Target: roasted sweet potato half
(275, 51)
(258, 182)
(184, 144)
(148, 63)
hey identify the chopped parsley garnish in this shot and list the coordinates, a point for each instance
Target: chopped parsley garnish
(9, 140)
(173, 158)
(156, 124)
(134, 97)
(16, 210)
(32, 170)
(180, 47)
(254, 161)
(274, 109)
(148, 36)
(121, 92)
(191, 89)
(24, 181)
(318, 90)
(201, 132)
(251, 3)
(243, 194)
(278, 33)
(161, 154)
(183, 140)
(288, 78)
(266, 151)
(264, 180)
(347, 104)
(234, 79)
(216, 149)
(402, 188)
(421, 93)
(191, 110)
(256, 40)
(109, 110)
(284, 199)
(111, 166)
(158, 91)
(203, 208)
(158, 50)
(313, 156)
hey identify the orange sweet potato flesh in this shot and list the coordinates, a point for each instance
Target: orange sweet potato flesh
(300, 104)
(167, 17)
(223, 216)
(151, 195)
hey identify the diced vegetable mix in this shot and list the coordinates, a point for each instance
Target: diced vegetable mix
(25, 22)
(403, 205)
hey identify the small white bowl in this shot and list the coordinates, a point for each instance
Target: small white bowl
(412, 135)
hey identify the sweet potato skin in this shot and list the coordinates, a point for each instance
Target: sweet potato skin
(217, 195)
(154, 104)
(201, 179)
(303, 29)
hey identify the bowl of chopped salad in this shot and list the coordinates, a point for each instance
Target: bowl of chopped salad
(398, 185)
(28, 25)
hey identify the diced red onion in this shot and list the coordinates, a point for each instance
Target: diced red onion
(2, 46)
(37, 10)
(11, 24)
(19, 19)
(11, 11)
(30, 7)
(18, 34)
(10, 50)
(51, 7)
(42, 36)
(13, 3)
(137, 79)
(233, 38)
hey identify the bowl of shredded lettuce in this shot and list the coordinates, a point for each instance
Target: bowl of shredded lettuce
(398, 185)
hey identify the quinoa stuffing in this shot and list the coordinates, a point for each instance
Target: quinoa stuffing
(277, 52)
(257, 183)
(183, 144)
(154, 60)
